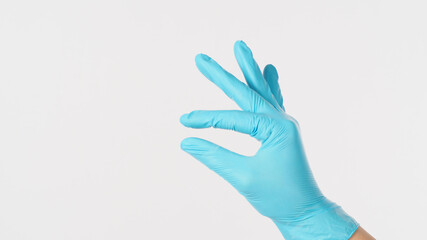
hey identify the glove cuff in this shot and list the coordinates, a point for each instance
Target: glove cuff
(331, 224)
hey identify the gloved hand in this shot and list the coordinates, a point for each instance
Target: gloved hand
(277, 181)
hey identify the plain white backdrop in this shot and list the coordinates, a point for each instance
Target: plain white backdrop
(91, 93)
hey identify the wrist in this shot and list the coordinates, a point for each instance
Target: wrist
(331, 223)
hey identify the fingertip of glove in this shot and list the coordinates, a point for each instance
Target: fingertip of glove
(202, 57)
(183, 119)
(270, 69)
(241, 46)
(240, 43)
(187, 143)
(269, 66)
(184, 144)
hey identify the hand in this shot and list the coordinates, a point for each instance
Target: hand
(277, 181)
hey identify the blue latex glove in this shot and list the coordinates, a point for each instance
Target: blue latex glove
(277, 181)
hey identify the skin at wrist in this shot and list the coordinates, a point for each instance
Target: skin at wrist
(361, 234)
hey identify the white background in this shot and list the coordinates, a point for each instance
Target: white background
(91, 93)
